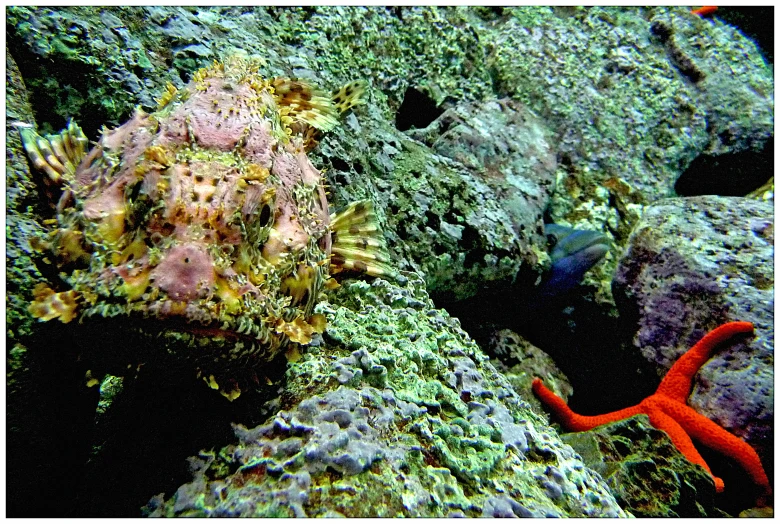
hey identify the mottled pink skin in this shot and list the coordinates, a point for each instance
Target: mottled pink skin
(258, 144)
(109, 201)
(290, 234)
(309, 173)
(202, 194)
(207, 218)
(132, 138)
(183, 196)
(185, 273)
(286, 168)
(223, 131)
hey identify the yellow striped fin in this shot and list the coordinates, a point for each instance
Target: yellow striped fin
(365, 255)
(56, 155)
(305, 103)
(356, 214)
(358, 244)
(350, 95)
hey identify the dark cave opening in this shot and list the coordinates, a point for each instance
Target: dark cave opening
(417, 110)
(735, 174)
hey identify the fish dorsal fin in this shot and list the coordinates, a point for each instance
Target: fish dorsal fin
(56, 155)
(349, 96)
(358, 244)
(305, 103)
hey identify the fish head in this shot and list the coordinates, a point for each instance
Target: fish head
(572, 253)
(203, 221)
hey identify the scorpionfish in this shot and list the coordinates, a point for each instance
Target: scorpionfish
(204, 222)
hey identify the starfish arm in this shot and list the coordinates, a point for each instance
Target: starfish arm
(713, 436)
(680, 439)
(570, 420)
(677, 382)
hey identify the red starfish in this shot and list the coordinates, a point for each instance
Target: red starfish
(669, 412)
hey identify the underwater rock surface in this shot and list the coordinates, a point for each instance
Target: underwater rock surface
(617, 86)
(694, 263)
(396, 414)
(482, 189)
(627, 117)
(649, 476)
(520, 362)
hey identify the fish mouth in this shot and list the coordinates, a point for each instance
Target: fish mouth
(193, 332)
(567, 242)
(174, 350)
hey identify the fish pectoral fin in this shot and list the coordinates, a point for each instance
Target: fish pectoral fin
(358, 243)
(305, 103)
(350, 95)
(55, 155)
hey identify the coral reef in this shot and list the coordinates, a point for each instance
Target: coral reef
(396, 413)
(643, 120)
(461, 202)
(22, 223)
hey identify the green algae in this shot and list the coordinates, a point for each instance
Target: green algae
(434, 445)
(649, 476)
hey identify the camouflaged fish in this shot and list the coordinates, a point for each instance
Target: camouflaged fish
(205, 219)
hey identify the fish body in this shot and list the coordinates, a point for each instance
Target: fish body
(207, 216)
(573, 252)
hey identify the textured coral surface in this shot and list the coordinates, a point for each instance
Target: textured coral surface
(397, 413)
(594, 112)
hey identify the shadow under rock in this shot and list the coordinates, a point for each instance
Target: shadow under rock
(589, 345)
(66, 461)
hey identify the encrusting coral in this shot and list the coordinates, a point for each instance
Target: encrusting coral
(669, 412)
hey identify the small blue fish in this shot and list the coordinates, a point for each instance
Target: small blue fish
(573, 252)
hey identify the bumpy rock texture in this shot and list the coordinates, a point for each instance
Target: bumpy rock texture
(21, 197)
(645, 116)
(626, 120)
(520, 361)
(695, 263)
(627, 111)
(647, 474)
(397, 413)
(495, 161)
(628, 115)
